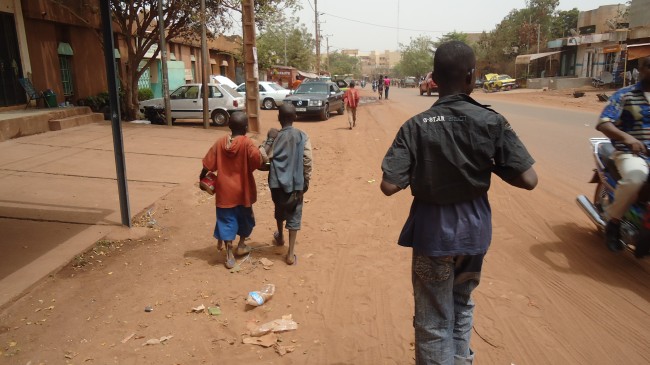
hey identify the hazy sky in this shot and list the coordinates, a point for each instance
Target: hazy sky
(381, 24)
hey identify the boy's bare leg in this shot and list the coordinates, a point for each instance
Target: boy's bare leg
(242, 248)
(230, 258)
(278, 236)
(291, 257)
(220, 245)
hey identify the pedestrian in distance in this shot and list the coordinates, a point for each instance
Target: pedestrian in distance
(447, 155)
(234, 158)
(351, 100)
(380, 86)
(289, 154)
(625, 120)
(386, 87)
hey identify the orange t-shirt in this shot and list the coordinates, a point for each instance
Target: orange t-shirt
(351, 97)
(233, 161)
(295, 84)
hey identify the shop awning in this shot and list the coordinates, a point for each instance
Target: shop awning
(526, 58)
(65, 49)
(635, 51)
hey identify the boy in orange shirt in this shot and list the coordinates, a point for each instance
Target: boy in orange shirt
(234, 158)
(351, 100)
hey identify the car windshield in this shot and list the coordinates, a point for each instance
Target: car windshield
(312, 88)
(276, 87)
(504, 77)
(230, 91)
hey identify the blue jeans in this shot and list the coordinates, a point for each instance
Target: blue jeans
(442, 287)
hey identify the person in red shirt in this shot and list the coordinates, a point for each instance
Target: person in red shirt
(233, 158)
(351, 100)
(296, 83)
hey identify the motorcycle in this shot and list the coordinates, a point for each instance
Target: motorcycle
(635, 224)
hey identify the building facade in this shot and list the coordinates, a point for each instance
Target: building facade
(46, 43)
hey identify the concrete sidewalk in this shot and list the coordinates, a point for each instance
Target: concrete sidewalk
(58, 191)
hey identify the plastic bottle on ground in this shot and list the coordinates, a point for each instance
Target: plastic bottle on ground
(257, 298)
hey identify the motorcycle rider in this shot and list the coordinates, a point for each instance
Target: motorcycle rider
(626, 121)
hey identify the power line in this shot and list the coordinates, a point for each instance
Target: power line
(312, 8)
(392, 27)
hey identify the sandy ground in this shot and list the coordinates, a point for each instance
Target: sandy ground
(350, 291)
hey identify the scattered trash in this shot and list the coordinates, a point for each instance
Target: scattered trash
(156, 341)
(283, 350)
(257, 298)
(148, 309)
(264, 341)
(198, 309)
(127, 338)
(602, 97)
(265, 262)
(71, 354)
(236, 268)
(578, 94)
(371, 181)
(214, 311)
(286, 323)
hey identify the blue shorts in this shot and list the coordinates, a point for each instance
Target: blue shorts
(232, 222)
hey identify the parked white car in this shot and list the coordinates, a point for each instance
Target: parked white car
(271, 94)
(187, 103)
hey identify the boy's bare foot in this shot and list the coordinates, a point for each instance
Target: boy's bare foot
(278, 239)
(230, 259)
(243, 250)
(291, 259)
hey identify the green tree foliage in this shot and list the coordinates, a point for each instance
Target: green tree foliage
(562, 22)
(417, 57)
(342, 64)
(282, 37)
(453, 36)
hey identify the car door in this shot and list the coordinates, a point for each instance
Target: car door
(184, 102)
(335, 97)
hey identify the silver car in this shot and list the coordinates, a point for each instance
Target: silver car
(186, 103)
(271, 94)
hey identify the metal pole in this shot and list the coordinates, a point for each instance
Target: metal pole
(163, 63)
(317, 39)
(118, 146)
(204, 68)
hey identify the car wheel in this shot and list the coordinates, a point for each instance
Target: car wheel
(341, 110)
(325, 113)
(220, 117)
(268, 104)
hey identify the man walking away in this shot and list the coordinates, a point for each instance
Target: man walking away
(447, 155)
(386, 87)
(290, 155)
(351, 100)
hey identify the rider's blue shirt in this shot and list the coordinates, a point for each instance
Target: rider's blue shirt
(629, 110)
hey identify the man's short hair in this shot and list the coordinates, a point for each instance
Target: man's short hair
(453, 62)
(352, 84)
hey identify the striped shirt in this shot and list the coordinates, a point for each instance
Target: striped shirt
(629, 110)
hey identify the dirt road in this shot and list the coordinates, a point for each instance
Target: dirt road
(550, 292)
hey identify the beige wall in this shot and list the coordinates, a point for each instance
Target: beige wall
(598, 17)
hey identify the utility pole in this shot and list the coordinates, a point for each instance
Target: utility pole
(163, 62)
(317, 38)
(204, 68)
(538, 28)
(327, 42)
(250, 66)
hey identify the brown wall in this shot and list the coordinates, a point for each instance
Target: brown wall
(88, 71)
